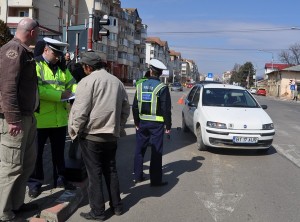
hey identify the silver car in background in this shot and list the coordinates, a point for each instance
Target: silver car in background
(176, 86)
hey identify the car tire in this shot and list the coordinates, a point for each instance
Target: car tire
(200, 145)
(184, 126)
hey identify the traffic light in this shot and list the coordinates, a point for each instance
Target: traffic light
(103, 22)
(98, 29)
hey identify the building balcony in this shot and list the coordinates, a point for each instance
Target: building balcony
(28, 3)
(137, 42)
(122, 48)
(112, 58)
(122, 61)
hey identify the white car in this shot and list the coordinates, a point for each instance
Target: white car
(253, 90)
(226, 116)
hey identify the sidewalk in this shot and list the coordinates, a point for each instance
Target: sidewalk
(55, 204)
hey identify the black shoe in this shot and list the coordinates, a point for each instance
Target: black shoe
(63, 183)
(27, 207)
(117, 211)
(34, 192)
(69, 186)
(159, 184)
(139, 180)
(92, 216)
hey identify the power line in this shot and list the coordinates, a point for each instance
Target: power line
(225, 31)
(222, 49)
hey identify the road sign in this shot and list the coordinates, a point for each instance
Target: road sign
(209, 75)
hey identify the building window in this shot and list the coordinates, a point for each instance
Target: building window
(23, 14)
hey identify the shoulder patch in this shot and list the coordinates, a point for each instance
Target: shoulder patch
(11, 54)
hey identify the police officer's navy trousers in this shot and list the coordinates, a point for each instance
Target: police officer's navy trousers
(57, 137)
(100, 159)
(153, 132)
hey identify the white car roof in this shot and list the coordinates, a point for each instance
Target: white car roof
(226, 86)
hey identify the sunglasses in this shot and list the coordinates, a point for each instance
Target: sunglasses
(36, 25)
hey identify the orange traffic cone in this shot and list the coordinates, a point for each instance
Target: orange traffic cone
(181, 100)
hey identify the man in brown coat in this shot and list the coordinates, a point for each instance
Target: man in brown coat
(18, 101)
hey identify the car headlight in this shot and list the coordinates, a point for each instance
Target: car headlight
(269, 126)
(216, 125)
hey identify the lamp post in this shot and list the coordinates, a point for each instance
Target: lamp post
(67, 21)
(262, 50)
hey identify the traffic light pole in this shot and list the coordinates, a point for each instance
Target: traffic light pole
(90, 30)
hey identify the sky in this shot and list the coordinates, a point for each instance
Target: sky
(218, 34)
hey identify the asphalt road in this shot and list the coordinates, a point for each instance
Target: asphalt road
(213, 186)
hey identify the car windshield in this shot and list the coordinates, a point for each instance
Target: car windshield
(228, 98)
(176, 84)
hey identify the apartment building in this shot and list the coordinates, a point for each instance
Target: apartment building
(127, 50)
(12, 11)
(175, 65)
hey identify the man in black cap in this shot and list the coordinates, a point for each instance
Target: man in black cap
(56, 84)
(97, 119)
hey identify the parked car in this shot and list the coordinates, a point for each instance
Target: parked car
(176, 86)
(261, 92)
(216, 113)
(253, 90)
(190, 85)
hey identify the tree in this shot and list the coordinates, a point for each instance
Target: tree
(291, 56)
(243, 74)
(5, 34)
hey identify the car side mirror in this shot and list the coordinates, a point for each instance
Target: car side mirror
(264, 106)
(191, 104)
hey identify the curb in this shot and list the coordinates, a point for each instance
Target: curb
(64, 206)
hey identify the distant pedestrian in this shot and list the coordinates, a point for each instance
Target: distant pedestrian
(56, 84)
(152, 118)
(18, 101)
(292, 88)
(133, 82)
(97, 118)
(295, 93)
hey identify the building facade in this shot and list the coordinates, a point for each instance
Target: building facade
(127, 50)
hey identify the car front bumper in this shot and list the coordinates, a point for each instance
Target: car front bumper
(224, 139)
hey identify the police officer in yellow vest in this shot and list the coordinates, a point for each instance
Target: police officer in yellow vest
(152, 116)
(55, 84)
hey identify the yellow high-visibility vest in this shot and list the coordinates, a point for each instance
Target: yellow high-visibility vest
(53, 112)
(149, 97)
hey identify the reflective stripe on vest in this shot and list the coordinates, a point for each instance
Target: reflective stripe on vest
(55, 82)
(143, 97)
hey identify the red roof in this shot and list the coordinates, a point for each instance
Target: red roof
(277, 66)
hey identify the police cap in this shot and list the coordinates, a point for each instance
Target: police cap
(55, 45)
(156, 64)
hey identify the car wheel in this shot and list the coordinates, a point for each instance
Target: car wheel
(201, 146)
(184, 126)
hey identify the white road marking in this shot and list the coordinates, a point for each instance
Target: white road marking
(219, 204)
(291, 152)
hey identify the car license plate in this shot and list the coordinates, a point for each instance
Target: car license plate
(240, 139)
